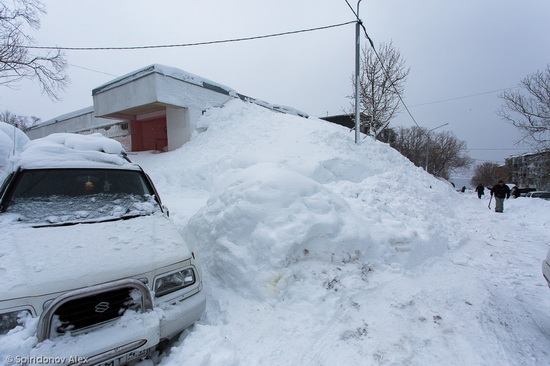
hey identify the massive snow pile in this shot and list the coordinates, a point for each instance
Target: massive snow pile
(318, 251)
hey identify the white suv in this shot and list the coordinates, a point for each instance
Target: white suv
(93, 270)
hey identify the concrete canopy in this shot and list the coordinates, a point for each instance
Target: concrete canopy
(154, 88)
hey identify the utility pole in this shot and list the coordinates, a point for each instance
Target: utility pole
(428, 144)
(357, 69)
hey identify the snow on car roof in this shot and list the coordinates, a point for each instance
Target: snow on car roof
(73, 151)
(12, 141)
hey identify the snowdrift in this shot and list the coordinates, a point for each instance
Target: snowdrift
(278, 189)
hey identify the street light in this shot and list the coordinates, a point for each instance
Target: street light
(428, 144)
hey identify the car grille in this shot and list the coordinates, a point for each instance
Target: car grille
(96, 309)
(80, 309)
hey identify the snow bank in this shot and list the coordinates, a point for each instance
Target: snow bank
(277, 189)
(420, 274)
(263, 218)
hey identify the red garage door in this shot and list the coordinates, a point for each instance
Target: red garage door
(149, 135)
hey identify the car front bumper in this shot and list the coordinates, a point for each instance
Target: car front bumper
(132, 337)
(181, 314)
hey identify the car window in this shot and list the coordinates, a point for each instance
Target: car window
(74, 195)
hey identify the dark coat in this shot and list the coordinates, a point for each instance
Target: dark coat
(501, 191)
(480, 189)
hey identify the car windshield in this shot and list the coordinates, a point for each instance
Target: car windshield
(57, 196)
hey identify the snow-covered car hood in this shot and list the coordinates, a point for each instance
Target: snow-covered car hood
(38, 261)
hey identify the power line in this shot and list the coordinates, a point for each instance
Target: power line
(488, 161)
(388, 75)
(462, 97)
(397, 92)
(499, 149)
(353, 11)
(189, 44)
(382, 64)
(88, 69)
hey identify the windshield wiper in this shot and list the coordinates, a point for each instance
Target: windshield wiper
(106, 219)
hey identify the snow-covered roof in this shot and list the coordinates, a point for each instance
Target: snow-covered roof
(289, 110)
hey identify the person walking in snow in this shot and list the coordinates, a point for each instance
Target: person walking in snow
(501, 192)
(480, 190)
(515, 191)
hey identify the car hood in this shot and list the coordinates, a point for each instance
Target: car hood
(40, 261)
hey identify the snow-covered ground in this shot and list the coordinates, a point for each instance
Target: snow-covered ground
(318, 251)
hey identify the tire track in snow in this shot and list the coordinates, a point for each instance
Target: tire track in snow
(320, 352)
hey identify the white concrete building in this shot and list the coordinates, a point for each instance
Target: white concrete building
(154, 108)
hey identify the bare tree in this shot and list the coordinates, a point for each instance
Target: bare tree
(488, 173)
(21, 122)
(447, 153)
(528, 109)
(411, 143)
(16, 60)
(382, 78)
(439, 153)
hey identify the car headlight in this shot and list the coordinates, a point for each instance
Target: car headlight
(174, 281)
(10, 320)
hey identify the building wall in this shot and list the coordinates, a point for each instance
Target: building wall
(119, 132)
(121, 97)
(178, 126)
(176, 93)
(77, 122)
(155, 88)
(531, 170)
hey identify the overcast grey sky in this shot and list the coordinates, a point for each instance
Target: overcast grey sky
(461, 54)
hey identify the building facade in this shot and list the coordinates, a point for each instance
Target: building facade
(530, 170)
(153, 108)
